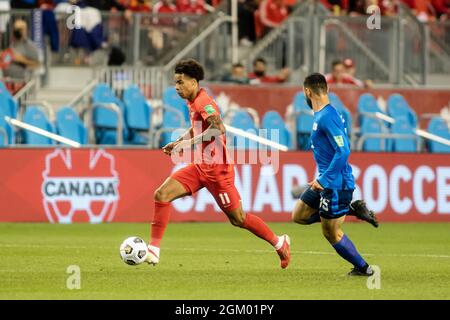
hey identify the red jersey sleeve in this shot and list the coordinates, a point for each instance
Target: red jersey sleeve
(207, 108)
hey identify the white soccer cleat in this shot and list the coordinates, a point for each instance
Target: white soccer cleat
(152, 255)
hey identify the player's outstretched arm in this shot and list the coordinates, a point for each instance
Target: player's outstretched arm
(215, 128)
(185, 136)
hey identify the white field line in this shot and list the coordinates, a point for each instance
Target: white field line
(441, 256)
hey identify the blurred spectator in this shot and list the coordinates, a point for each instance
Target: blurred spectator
(238, 75)
(105, 5)
(350, 69)
(442, 8)
(26, 54)
(192, 6)
(89, 37)
(259, 73)
(116, 56)
(24, 4)
(139, 6)
(5, 6)
(339, 75)
(164, 7)
(272, 13)
(246, 21)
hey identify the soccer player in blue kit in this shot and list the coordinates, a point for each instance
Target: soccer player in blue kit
(328, 198)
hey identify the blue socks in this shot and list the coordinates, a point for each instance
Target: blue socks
(347, 250)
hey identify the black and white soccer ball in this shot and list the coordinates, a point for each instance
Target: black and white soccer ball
(133, 251)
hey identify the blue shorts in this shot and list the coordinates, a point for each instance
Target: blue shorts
(331, 203)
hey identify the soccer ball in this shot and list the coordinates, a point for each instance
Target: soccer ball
(133, 251)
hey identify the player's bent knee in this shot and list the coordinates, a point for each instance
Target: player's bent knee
(331, 235)
(160, 195)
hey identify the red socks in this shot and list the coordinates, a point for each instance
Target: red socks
(259, 228)
(160, 221)
(252, 223)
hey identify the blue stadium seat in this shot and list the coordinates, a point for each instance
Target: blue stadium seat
(172, 121)
(337, 103)
(374, 144)
(172, 99)
(105, 120)
(7, 102)
(397, 107)
(35, 116)
(402, 126)
(439, 127)
(7, 133)
(244, 121)
(138, 115)
(304, 122)
(368, 104)
(69, 125)
(273, 121)
(299, 102)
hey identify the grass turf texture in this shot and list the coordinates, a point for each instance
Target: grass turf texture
(218, 261)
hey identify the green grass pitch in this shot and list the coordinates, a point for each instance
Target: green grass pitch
(218, 261)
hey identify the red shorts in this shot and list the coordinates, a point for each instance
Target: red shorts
(221, 186)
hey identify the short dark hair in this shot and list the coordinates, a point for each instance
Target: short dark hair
(238, 65)
(191, 68)
(262, 60)
(336, 63)
(316, 82)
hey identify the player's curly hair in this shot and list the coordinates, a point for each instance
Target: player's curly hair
(191, 68)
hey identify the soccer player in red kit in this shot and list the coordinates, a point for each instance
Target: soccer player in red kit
(211, 169)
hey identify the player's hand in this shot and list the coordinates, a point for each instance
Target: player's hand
(180, 146)
(167, 149)
(316, 186)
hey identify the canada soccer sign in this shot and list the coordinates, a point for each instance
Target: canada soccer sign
(117, 185)
(79, 187)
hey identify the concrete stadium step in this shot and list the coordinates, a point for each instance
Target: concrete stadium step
(58, 96)
(64, 84)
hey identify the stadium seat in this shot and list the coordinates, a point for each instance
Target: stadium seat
(374, 144)
(304, 121)
(337, 103)
(35, 116)
(367, 104)
(7, 134)
(172, 99)
(172, 120)
(69, 125)
(7, 102)
(402, 126)
(244, 121)
(138, 115)
(439, 127)
(397, 107)
(105, 120)
(273, 120)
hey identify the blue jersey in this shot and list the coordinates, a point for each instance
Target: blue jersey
(331, 149)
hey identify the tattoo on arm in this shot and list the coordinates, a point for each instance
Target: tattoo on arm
(215, 128)
(186, 136)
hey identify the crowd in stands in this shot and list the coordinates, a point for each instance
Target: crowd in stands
(425, 10)
(259, 75)
(163, 6)
(257, 17)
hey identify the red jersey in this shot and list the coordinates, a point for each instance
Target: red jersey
(346, 79)
(211, 157)
(254, 79)
(187, 6)
(271, 13)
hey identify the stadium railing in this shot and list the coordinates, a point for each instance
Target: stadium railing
(87, 116)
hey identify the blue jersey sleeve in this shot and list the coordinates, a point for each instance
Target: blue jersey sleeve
(335, 133)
